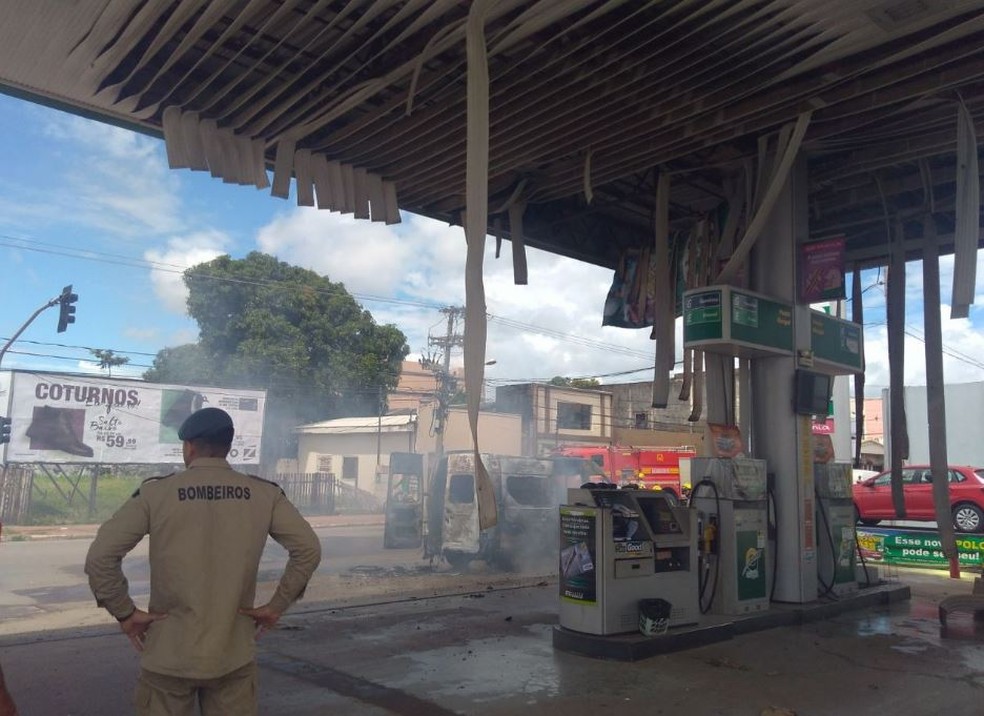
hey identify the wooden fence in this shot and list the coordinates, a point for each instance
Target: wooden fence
(16, 484)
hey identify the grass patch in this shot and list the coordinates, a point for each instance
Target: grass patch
(57, 502)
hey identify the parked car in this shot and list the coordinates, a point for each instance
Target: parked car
(873, 497)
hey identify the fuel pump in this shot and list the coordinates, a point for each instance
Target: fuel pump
(836, 543)
(729, 495)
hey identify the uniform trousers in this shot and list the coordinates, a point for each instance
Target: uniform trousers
(233, 694)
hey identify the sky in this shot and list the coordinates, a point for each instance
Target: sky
(96, 206)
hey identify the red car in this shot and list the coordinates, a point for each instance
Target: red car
(873, 497)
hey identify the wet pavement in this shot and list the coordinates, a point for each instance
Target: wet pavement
(490, 652)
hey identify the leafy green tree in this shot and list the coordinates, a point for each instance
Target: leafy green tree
(181, 364)
(108, 359)
(564, 382)
(266, 324)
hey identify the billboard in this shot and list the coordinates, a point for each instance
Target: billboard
(65, 418)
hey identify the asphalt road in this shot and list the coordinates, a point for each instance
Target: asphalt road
(42, 584)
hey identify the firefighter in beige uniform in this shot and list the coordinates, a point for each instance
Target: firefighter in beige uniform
(207, 528)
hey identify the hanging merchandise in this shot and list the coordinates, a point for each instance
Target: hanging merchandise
(630, 302)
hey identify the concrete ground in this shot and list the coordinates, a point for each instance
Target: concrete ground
(490, 652)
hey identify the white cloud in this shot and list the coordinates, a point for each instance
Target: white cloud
(142, 334)
(367, 257)
(182, 252)
(116, 180)
(423, 260)
(963, 353)
(182, 336)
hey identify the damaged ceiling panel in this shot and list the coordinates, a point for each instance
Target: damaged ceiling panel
(365, 101)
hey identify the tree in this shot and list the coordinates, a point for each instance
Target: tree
(563, 382)
(108, 359)
(266, 324)
(181, 364)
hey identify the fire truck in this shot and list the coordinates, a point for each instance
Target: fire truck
(656, 468)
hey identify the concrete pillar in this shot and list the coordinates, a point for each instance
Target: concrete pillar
(780, 436)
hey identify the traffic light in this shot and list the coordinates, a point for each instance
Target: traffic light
(4, 430)
(66, 308)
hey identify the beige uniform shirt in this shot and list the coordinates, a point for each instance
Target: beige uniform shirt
(207, 528)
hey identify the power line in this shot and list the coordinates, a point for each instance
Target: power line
(133, 262)
(83, 348)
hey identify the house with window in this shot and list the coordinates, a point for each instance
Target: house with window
(355, 450)
(553, 415)
(636, 422)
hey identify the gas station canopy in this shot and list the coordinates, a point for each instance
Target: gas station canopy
(589, 99)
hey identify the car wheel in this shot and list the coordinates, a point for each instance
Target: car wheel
(968, 518)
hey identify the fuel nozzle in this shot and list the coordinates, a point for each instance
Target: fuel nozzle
(710, 536)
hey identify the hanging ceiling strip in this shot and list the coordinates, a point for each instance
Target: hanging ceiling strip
(302, 177)
(361, 194)
(635, 71)
(117, 43)
(185, 10)
(322, 181)
(277, 72)
(251, 62)
(173, 140)
(303, 99)
(477, 204)
(520, 271)
(282, 168)
(663, 299)
(967, 232)
(247, 14)
(194, 146)
(325, 115)
(230, 43)
(377, 202)
(757, 223)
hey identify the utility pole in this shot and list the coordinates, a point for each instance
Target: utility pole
(446, 383)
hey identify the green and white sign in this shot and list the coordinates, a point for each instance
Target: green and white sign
(923, 549)
(733, 321)
(838, 345)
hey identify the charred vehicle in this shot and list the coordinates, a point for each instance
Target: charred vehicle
(526, 496)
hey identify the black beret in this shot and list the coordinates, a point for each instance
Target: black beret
(207, 423)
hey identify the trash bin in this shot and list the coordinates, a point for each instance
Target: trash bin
(654, 616)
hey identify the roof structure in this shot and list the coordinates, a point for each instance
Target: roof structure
(384, 423)
(590, 100)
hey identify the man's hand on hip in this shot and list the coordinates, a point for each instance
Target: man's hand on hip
(136, 625)
(264, 617)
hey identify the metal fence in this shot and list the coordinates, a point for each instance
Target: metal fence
(313, 492)
(16, 484)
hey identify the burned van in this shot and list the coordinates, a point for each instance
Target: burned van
(526, 500)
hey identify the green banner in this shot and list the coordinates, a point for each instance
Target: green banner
(884, 546)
